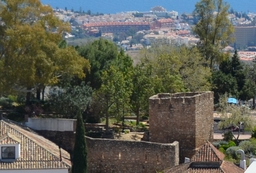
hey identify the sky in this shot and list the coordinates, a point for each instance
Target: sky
(115, 6)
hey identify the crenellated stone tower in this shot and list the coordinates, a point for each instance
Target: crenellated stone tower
(183, 117)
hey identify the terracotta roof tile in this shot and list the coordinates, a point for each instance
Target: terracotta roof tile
(9, 139)
(208, 159)
(231, 167)
(208, 152)
(36, 152)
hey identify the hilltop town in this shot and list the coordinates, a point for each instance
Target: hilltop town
(134, 30)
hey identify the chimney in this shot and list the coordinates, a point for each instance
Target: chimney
(187, 160)
(242, 161)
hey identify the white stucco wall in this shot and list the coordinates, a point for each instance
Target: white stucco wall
(36, 171)
(51, 124)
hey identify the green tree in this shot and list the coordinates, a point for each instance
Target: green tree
(176, 68)
(223, 83)
(194, 74)
(80, 149)
(143, 88)
(69, 99)
(237, 70)
(100, 54)
(230, 78)
(162, 63)
(30, 58)
(213, 28)
(237, 116)
(116, 87)
(113, 94)
(249, 89)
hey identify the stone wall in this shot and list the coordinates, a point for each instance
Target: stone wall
(183, 117)
(65, 140)
(115, 156)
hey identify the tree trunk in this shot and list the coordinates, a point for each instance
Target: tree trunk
(38, 92)
(43, 94)
(137, 116)
(107, 121)
(28, 96)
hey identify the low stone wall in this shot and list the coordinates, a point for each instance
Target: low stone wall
(115, 156)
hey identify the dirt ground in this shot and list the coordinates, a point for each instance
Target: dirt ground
(131, 136)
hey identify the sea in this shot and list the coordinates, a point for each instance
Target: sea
(117, 6)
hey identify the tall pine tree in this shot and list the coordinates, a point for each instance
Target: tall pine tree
(80, 149)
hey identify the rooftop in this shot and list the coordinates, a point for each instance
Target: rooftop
(36, 152)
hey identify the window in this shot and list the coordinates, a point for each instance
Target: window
(8, 152)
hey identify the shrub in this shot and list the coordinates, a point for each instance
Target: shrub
(231, 144)
(225, 145)
(144, 117)
(5, 103)
(228, 136)
(222, 150)
(12, 98)
(232, 152)
(247, 146)
(254, 132)
(216, 144)
(16, 116)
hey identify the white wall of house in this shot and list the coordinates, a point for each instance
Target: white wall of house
(51, 124)
(36, 171)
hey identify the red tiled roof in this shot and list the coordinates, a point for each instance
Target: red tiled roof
(36, 152)
(165, 20)
(100, 24)
(210, 160)
(230, 167)
(208, 153)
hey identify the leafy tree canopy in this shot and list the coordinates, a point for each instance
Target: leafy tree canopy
(100, 54)
(213, 28)
(29, 55)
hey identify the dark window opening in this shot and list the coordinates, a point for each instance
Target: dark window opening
(8, 152)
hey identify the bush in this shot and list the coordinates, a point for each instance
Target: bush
(228, 136)
(254, 132)
(5, 103)
(232, 152)
(144, 117)
(16, 116)
(216, 144)
(247, 146)
(225, 146)
(12, 98)
(222, 150)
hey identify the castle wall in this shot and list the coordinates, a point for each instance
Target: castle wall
(183, 117)
(116, 156)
